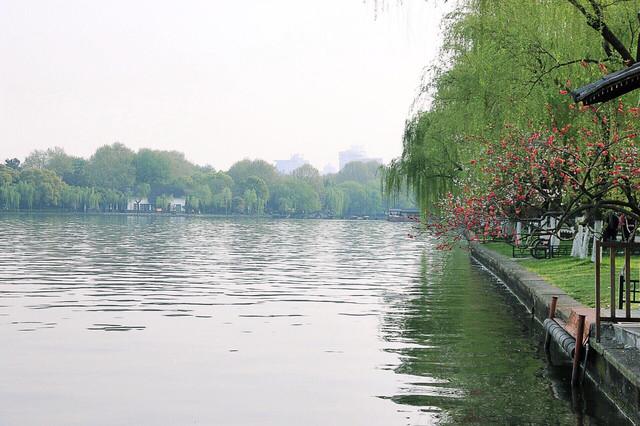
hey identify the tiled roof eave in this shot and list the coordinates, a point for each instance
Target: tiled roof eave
(609, 87)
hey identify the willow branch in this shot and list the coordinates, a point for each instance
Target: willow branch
(596, 21)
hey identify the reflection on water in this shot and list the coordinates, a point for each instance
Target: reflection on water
(480, 366)
(167, 320)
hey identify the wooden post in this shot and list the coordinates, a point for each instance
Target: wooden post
(627, 280)
(552, 307)
(577, 353)
(597, 290)
(547, 337)
(614, 281)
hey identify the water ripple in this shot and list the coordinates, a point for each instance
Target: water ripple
(290, 318)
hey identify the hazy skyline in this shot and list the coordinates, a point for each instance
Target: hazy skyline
(219, 81)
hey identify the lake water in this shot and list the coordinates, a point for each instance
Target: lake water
(170, 320)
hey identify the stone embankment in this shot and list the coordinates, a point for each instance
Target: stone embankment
(613, 364)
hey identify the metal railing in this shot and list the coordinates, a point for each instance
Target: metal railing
(614, 247)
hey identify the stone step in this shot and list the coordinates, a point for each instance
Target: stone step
(627, 334)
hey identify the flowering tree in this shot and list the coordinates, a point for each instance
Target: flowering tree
(572, 170)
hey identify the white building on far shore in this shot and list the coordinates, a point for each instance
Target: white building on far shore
(143, 206)
(287, 166)
(355, 153)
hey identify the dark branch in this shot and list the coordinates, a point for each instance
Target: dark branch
(545, 72)
(596, 21)
(638, 43)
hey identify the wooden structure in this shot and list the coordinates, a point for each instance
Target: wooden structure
(614, 247)
(571, 336)
(609, 87)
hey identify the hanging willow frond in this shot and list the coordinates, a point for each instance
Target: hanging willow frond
(428, 167)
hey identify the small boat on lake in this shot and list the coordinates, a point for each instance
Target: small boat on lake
(403, 215)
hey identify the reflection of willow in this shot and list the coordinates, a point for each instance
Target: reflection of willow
(468, 355)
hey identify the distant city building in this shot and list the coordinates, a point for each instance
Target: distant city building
(355, 153)
(329, 169)
(287, 166)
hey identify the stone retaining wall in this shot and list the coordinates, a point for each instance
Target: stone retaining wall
(615, 369)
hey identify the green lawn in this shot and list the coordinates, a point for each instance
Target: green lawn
(500, 247)
(574, 276)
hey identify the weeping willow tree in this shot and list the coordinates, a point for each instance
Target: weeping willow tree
(505, 63)
(428, 167)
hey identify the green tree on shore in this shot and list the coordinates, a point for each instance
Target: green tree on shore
(115, 177)
(505, 63)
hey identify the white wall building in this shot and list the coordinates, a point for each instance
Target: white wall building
(287, 166)
(355, 153)
(143, 206)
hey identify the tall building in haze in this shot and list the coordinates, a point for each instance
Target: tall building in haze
(287, 166)
(329, 169)
(355, 153)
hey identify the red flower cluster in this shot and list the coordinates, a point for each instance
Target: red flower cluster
(572, 169)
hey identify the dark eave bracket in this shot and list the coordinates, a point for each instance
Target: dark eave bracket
(609, 87)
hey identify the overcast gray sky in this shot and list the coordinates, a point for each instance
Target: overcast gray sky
(217, 80)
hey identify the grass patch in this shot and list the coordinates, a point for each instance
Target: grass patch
(575, 276)
(499, 247)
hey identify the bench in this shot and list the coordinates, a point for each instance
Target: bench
(540, 250)
(519, 250)
(560, 250)
(633, 292)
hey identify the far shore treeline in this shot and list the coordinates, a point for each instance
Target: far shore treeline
(117, 179)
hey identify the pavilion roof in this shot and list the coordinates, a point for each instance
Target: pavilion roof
(610, 86)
